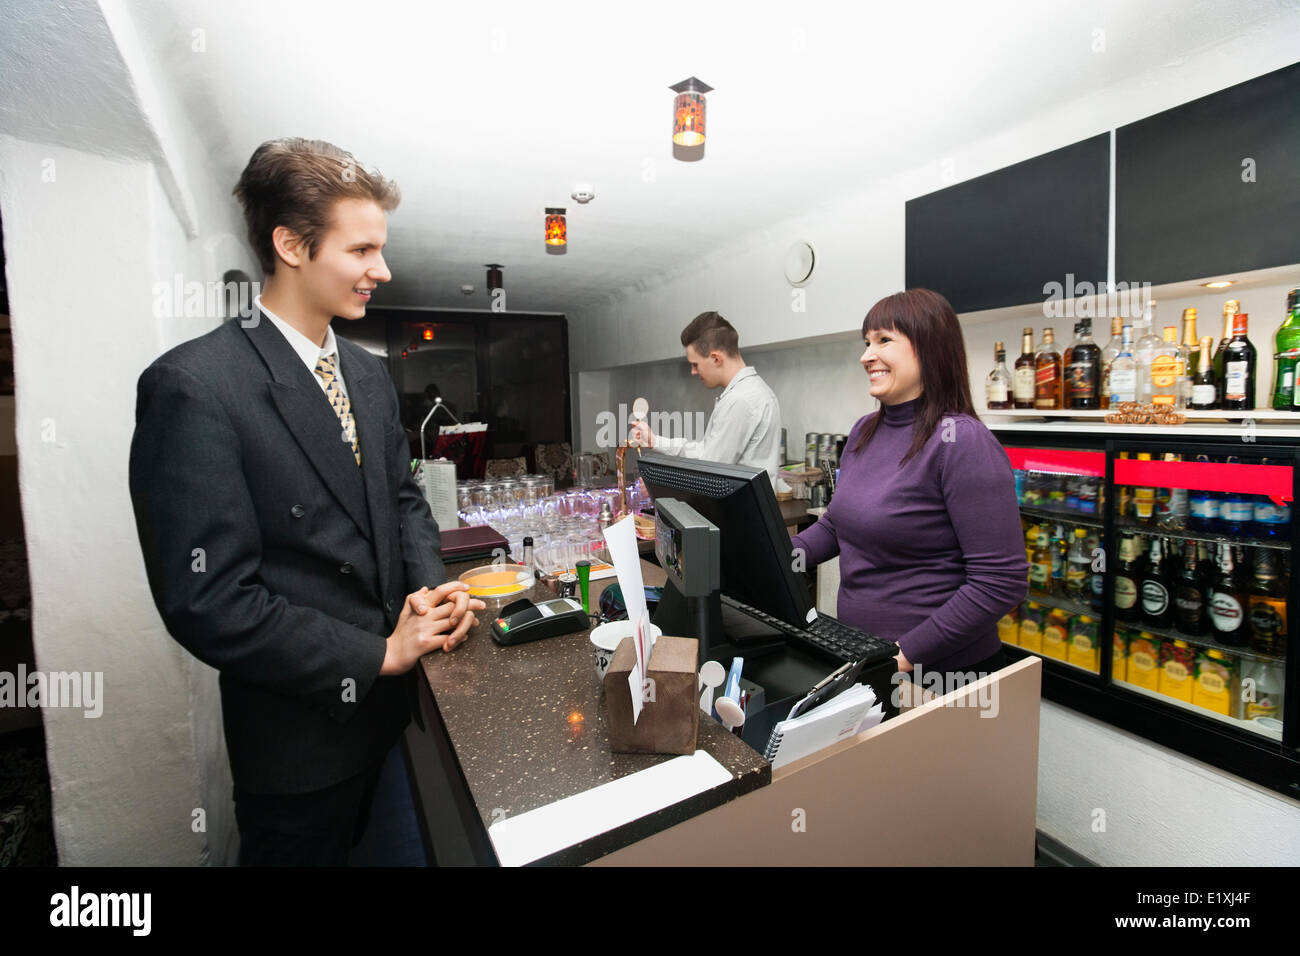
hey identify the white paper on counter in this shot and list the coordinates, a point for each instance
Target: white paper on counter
(549, 829)
(620, 537)
(636, 686)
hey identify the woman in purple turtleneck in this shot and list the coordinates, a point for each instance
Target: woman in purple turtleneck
(924, 518)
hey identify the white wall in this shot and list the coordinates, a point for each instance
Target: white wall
(123, 784)
(859, 244)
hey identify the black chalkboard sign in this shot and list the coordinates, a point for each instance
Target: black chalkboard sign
(997, 240)
(1213, 186)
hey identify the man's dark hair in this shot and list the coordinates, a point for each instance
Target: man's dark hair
(710, 332)
(295, 182)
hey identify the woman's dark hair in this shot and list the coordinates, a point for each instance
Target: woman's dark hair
(926, 320)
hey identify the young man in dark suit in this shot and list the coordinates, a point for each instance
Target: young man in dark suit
(285, 541)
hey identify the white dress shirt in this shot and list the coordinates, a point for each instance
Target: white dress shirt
(307, 350)
(745, 427)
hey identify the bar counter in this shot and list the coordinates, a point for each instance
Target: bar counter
(510, 729)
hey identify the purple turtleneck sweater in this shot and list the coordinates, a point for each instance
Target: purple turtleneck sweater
(931, 553)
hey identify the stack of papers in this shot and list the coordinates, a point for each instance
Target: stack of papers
(841, 717)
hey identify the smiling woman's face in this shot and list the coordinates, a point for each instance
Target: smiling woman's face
(891, 366)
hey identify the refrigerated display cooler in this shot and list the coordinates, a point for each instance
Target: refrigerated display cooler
(1162, 592)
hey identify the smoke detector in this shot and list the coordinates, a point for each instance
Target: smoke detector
(583, 193)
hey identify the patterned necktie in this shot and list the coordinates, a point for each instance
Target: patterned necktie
(339, 402)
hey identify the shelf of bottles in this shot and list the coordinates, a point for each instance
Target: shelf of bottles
(1145, 362)
(1201, 584)
(1062, 500)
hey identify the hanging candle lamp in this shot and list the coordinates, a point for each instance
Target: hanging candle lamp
(688, 112)
(556, 231)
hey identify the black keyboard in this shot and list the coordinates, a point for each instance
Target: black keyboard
(825, 635)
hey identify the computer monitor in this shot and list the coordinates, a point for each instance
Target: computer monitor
(756, 558)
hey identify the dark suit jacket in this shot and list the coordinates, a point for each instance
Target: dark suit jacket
(274, 558)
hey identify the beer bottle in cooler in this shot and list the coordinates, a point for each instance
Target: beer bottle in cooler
(1189, 598)
(1228, 604)
(1267, 599)
(1128, 580)
(1156, 604)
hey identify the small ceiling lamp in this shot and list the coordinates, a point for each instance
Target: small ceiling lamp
(688, 112)
(1221, 284)
(494, 279)
(557, 233)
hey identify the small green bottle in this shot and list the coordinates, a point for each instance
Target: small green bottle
(1286, 349)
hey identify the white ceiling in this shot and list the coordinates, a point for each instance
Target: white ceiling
(485, 114)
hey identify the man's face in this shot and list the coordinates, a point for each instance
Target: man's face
(706, 367)
(349, 262)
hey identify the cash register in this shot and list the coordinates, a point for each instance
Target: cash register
(731, 582)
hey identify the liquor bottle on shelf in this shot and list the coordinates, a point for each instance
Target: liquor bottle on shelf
(1079, 568)
(1047, 373)
(997, 385)
(1156, 605)
(1108, 355)
(1128, 577)
(1083, 369)
(1228, 604)
(1229, 310)
(1040, 564)
(1024, 375)
(1145, 351)
(1189, 596)
(1205, 391)
(1207, 566)
(1239, 368)
(1267, 599)
(1066, 355)
(1164, 376)
(1286, 349)
(1187, 357)
(1123, 371)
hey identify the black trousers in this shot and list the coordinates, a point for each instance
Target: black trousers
(305, 829)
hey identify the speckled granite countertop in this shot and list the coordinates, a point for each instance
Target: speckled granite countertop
(528, 726)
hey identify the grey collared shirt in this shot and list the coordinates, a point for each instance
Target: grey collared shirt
(745, 427)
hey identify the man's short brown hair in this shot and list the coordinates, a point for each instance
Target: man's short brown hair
(710, 332)
(294, 183)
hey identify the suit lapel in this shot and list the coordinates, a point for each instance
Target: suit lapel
(368, 402)
(311, 421)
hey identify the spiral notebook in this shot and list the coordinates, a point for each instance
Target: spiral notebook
(842, 717)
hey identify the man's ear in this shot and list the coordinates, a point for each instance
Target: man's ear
(288, 246)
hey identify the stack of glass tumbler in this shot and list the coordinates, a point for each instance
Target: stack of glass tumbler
(564, 527)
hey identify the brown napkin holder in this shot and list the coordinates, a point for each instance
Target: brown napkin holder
(670, 723)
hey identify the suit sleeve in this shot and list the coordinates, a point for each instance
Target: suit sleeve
(202, 547)
(421, 541)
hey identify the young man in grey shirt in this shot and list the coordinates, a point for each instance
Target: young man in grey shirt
(745, 426)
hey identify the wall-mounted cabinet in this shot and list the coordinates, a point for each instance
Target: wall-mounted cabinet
(996, 240)
(1211, 187)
